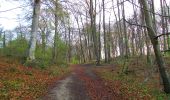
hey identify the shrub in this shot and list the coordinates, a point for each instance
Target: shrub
(16, 48)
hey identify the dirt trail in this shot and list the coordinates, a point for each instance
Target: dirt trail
(82, 84)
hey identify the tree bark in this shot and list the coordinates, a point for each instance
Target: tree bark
(154, 41)
(104, 32)
(34, 29)
(56, 33)
(121, 49)
(125, 32)
(163, 23)
(93, 30)
(4, 40)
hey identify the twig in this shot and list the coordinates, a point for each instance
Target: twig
(162, 35)
(135, 24)
(166, 50)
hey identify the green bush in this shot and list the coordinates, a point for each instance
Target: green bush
(74, 60)
(62, 49)
(16, 48)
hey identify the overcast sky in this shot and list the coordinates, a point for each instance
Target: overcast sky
(8, 19)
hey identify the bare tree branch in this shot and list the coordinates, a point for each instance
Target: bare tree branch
(162, 35)
(166, 50)
(146, 9)
(135, 24)
(22, 6)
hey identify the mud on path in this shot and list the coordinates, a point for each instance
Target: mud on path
(82, 84)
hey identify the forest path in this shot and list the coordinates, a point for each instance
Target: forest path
(81, 84)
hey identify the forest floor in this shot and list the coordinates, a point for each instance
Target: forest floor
(82, 84)
(81, 81)
(18, 82)
(105, 82)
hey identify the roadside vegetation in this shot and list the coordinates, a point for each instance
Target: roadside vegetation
(19, 82)
(142, 81)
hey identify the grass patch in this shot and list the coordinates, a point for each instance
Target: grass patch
(59, 70)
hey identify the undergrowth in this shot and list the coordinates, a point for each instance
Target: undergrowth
(131, 85)
(18, 82)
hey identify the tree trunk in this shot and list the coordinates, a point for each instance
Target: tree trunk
(34, 29)
(56, 33)
(93, 29)
(109, 42)
(121, 49)
(43, 40)
(153, 15)
(81, 45)
(163, 23)
(154, 41)
(85, 40)
(104, 32)
(69, 44)
(4, 40)
(125, 32)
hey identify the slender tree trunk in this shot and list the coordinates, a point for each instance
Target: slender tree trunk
(118, 29)
(154, 41)
(153, 15)
(34, 29)
(43, 42)
(85, 40)
(109, 42)
(163, 23)
(88, 39)
(99, 41)
(121, 49)
(4, 40)
(133, 38)
(96, 36)
(168, 37)
(69, 45)
(104, 32)
(125, 32)
(167, 30)
(81, 45)
(93, 28)
(56, 33)
(147, 41)
(147, 47)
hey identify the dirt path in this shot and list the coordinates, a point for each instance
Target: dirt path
(82, 84)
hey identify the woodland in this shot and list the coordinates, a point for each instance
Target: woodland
(86, 50)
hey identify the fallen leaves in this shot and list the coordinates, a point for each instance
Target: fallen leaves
(26, 83)
(128, 86)
(96, 88)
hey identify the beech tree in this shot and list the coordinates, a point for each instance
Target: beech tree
(34, 29)
(154, 40)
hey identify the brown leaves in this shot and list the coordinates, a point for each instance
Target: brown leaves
(125, 85)
(97, 88)
(20, 82)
